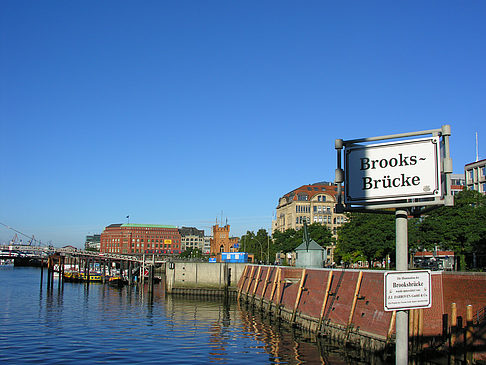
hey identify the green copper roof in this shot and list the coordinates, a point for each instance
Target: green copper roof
(147, 225)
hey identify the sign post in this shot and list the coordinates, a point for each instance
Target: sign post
(408, 175)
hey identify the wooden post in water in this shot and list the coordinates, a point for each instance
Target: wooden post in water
(129, 272)
(87, 269)
(453, 331)
(469, 334)
(42, 271)
(59, 265)
(150, 278)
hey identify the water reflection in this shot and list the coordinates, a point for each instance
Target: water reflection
(76, 322)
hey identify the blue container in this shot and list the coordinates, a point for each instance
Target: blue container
(234, 257)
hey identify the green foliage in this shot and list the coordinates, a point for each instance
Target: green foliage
(461, 228)
(191, 253)
(366, 235)
(265, 247)
(257, 244)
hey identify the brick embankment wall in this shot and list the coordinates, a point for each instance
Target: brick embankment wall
(348, 305)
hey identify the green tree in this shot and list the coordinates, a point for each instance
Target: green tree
(257, 244)
(461, 228)
(366, 235)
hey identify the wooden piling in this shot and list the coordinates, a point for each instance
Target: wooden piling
(324, 302)
(297, 298)
(256, 284)
(250, 280)
(353, 306)
(265, 285)
(469, 334)
(453, 325)
(240, 289)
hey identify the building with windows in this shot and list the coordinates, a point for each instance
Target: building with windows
(457, 183)
(314, 203)
(140, 238)
(222, 242)
(92, 242)
(191, 238)
(475, 175)
(207, 245)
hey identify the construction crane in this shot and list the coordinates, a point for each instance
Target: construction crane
(16, 237)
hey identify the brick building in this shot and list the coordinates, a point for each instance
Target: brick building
(140, 238)
(222, 242)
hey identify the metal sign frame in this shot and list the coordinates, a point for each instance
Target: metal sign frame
(417, 202)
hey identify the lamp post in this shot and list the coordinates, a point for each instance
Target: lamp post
(261, 248)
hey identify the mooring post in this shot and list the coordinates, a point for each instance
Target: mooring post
(87, 268)
(59, 263)
(401, 346)
(42, 271)
(129, 273)
(469, 334)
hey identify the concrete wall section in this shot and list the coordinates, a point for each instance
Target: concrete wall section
(201, 275)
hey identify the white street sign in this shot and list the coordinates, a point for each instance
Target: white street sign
(393, 171)
(407, 290)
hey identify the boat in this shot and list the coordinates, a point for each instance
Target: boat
(116, 281)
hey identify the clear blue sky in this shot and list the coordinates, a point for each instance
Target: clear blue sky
(175, 111)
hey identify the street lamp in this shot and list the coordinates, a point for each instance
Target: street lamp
(261, 248)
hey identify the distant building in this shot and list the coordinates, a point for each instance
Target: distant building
(222, 242)
(207, 245)
(314, 202)
(458, 183)
(140, 238)
(92, 242)
(475, 174)
(191, 238)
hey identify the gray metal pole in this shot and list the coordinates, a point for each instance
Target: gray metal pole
(401, 345)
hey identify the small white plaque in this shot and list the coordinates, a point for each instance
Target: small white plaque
(407, 290)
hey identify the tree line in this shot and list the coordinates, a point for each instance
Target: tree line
(371, 236)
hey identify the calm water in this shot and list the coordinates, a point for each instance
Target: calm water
(79, 323)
